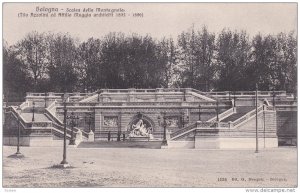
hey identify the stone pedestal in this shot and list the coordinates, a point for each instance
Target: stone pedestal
(168, 135)
(139, 138)
(78, 137)
(91, 136)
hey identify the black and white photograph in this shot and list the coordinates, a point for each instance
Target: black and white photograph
(149, 95)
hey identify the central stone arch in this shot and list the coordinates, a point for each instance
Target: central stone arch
(141, 121)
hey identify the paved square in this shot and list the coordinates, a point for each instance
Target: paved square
(131, 167)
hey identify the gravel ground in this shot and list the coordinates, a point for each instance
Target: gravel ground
(122, 167)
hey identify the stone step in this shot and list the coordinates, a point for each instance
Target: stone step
(121, 144)
(36, 110)
(38, 117)
(240, 111)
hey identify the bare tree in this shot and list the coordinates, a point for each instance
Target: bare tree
(32, 51)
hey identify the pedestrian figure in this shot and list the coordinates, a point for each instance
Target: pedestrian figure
(108, 137)
(123, 136)
(119, 136)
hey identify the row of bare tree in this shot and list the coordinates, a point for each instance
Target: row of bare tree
(230, 60)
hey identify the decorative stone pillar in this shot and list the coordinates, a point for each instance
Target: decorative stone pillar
(98, 123)
(159, 90)
(230, 124)
(91, 136)
(78, 137)
(188, 95)
(168, 135)
(119, 125)
(131, 96)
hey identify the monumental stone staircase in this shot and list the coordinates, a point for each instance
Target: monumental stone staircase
(240, 111)
(191, 127)
(231, 119)
(45, 122)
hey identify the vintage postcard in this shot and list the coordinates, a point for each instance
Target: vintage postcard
(150, 95)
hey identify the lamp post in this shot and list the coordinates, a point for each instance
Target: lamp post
(182, 119)
(256, 120)
(73, 124)
(119, 136)
(89, 117)
(264, 126)
(199, 112)
(18, 145)
(99, 92)
(18, 154)
(217, 110)
(119, 133)
(33, 106)
(234, 98)
(64, 162)
(45, 100)
(164, 125)
(273, 95)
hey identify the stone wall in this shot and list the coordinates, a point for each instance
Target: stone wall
(287, 127)
(124, 117)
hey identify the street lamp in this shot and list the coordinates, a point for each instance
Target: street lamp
(119, 136)
(99, 92)
(273, 95)
(89, 117)
(234, 98)
(183, 121)
(199, 112)
(73, 124)
(164, 125)
(33, 106)
(119, 133)
(217, 110)
(45, 99)
(18, 153)
(256, 120)
(64, 161)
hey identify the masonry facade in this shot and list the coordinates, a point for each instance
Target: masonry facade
(193, 119)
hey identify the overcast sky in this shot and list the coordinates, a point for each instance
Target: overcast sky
(159, 19)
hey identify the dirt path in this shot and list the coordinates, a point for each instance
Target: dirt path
(151, 168)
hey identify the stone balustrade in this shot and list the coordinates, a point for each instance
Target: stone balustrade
(132, 90)
(249, 93)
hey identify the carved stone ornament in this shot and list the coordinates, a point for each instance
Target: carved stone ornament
(172, 121)
(110, 121)
(141, 128)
